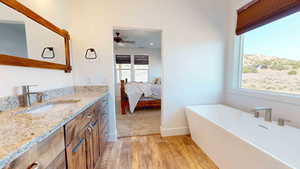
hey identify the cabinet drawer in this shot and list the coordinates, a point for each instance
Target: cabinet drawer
(74, 127)
(42, 154)
(59, 162)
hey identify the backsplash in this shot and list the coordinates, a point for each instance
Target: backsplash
(9, 103)
(13, 102)
(86, 89)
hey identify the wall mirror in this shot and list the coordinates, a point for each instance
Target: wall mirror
(27, 39)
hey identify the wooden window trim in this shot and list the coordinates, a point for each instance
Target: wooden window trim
(261, 12)
(25, 62)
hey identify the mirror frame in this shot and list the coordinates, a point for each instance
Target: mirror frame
(25, 62)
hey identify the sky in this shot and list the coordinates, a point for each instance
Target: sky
(280, 38)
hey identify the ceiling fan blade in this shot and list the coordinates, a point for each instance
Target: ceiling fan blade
(127, 41)
(121, 44)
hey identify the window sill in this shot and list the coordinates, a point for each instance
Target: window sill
(267, 95)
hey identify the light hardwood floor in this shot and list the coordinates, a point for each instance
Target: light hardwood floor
(141, 122)
(155, 152)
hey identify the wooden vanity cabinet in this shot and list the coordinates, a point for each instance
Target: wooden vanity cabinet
(78, 145)
(59, 162)
(96, 142)
(90, 143)
(44, 155)
(103, 124)
(89, 148)
(75, 127)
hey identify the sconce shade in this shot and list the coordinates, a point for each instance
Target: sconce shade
(91, 54)
(48, 53)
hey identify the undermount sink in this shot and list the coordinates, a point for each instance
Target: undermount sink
(71, 101)
(60, 104)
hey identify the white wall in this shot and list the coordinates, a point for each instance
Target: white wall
(56, 11)
(13, 39)
(37, 37)
(283, 106)
(193, 44)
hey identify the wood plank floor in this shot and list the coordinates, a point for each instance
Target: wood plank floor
(141, 122)
(155, 152)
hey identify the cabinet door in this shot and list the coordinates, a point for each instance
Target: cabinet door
(76, 154)
(103, 129)
(96, 141)
(59, 162)
(90, 148)
(78, 125)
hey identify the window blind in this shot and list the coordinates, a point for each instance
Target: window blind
(123, 59)
(141, 59)
(261, 12)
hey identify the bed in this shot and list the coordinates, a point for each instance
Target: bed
(142, 102)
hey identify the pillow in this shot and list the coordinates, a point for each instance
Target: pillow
(157, 81)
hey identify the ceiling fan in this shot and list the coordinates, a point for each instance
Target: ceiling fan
(118, 39)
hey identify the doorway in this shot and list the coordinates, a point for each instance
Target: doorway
(138, 70)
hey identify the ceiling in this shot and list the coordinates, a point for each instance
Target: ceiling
(143, 38)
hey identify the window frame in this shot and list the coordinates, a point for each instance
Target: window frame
(132, 69)
(120, 72)
(241, 61)
(236, 89)
(148, 72)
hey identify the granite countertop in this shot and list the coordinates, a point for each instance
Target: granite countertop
(20, 132)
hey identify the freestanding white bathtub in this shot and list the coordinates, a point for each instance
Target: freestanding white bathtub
(236, 140)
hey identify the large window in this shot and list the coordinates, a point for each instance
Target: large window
(271, 57)
(123, 67)
(137, 71)
(123, 72)
(141, 68)
(141, 73)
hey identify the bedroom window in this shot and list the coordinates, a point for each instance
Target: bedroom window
(123, 67)
(141, 68)
(137, 71)
(270, 57)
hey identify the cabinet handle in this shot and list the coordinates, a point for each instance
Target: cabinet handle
(77, 146)
(94, 124)
(90, 129)
(35, 165)
(89, 116)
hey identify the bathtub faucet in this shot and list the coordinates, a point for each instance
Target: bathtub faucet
(268, 113)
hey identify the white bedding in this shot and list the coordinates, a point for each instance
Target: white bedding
(156, 91)
(136, 90)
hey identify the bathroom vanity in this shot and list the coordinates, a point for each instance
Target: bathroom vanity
(72, 134)
(54, 129)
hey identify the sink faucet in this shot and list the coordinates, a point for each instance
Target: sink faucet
(268, 113)
(26, 95)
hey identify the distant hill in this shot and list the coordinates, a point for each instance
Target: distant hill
(269, 62)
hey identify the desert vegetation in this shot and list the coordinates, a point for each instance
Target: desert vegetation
(271, 73)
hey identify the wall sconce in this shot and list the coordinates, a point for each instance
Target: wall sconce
(48, 53)
(91, 54)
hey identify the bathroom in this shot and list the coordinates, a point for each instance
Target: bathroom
(69, 65)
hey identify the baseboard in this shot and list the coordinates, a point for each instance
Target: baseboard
(174, 131)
